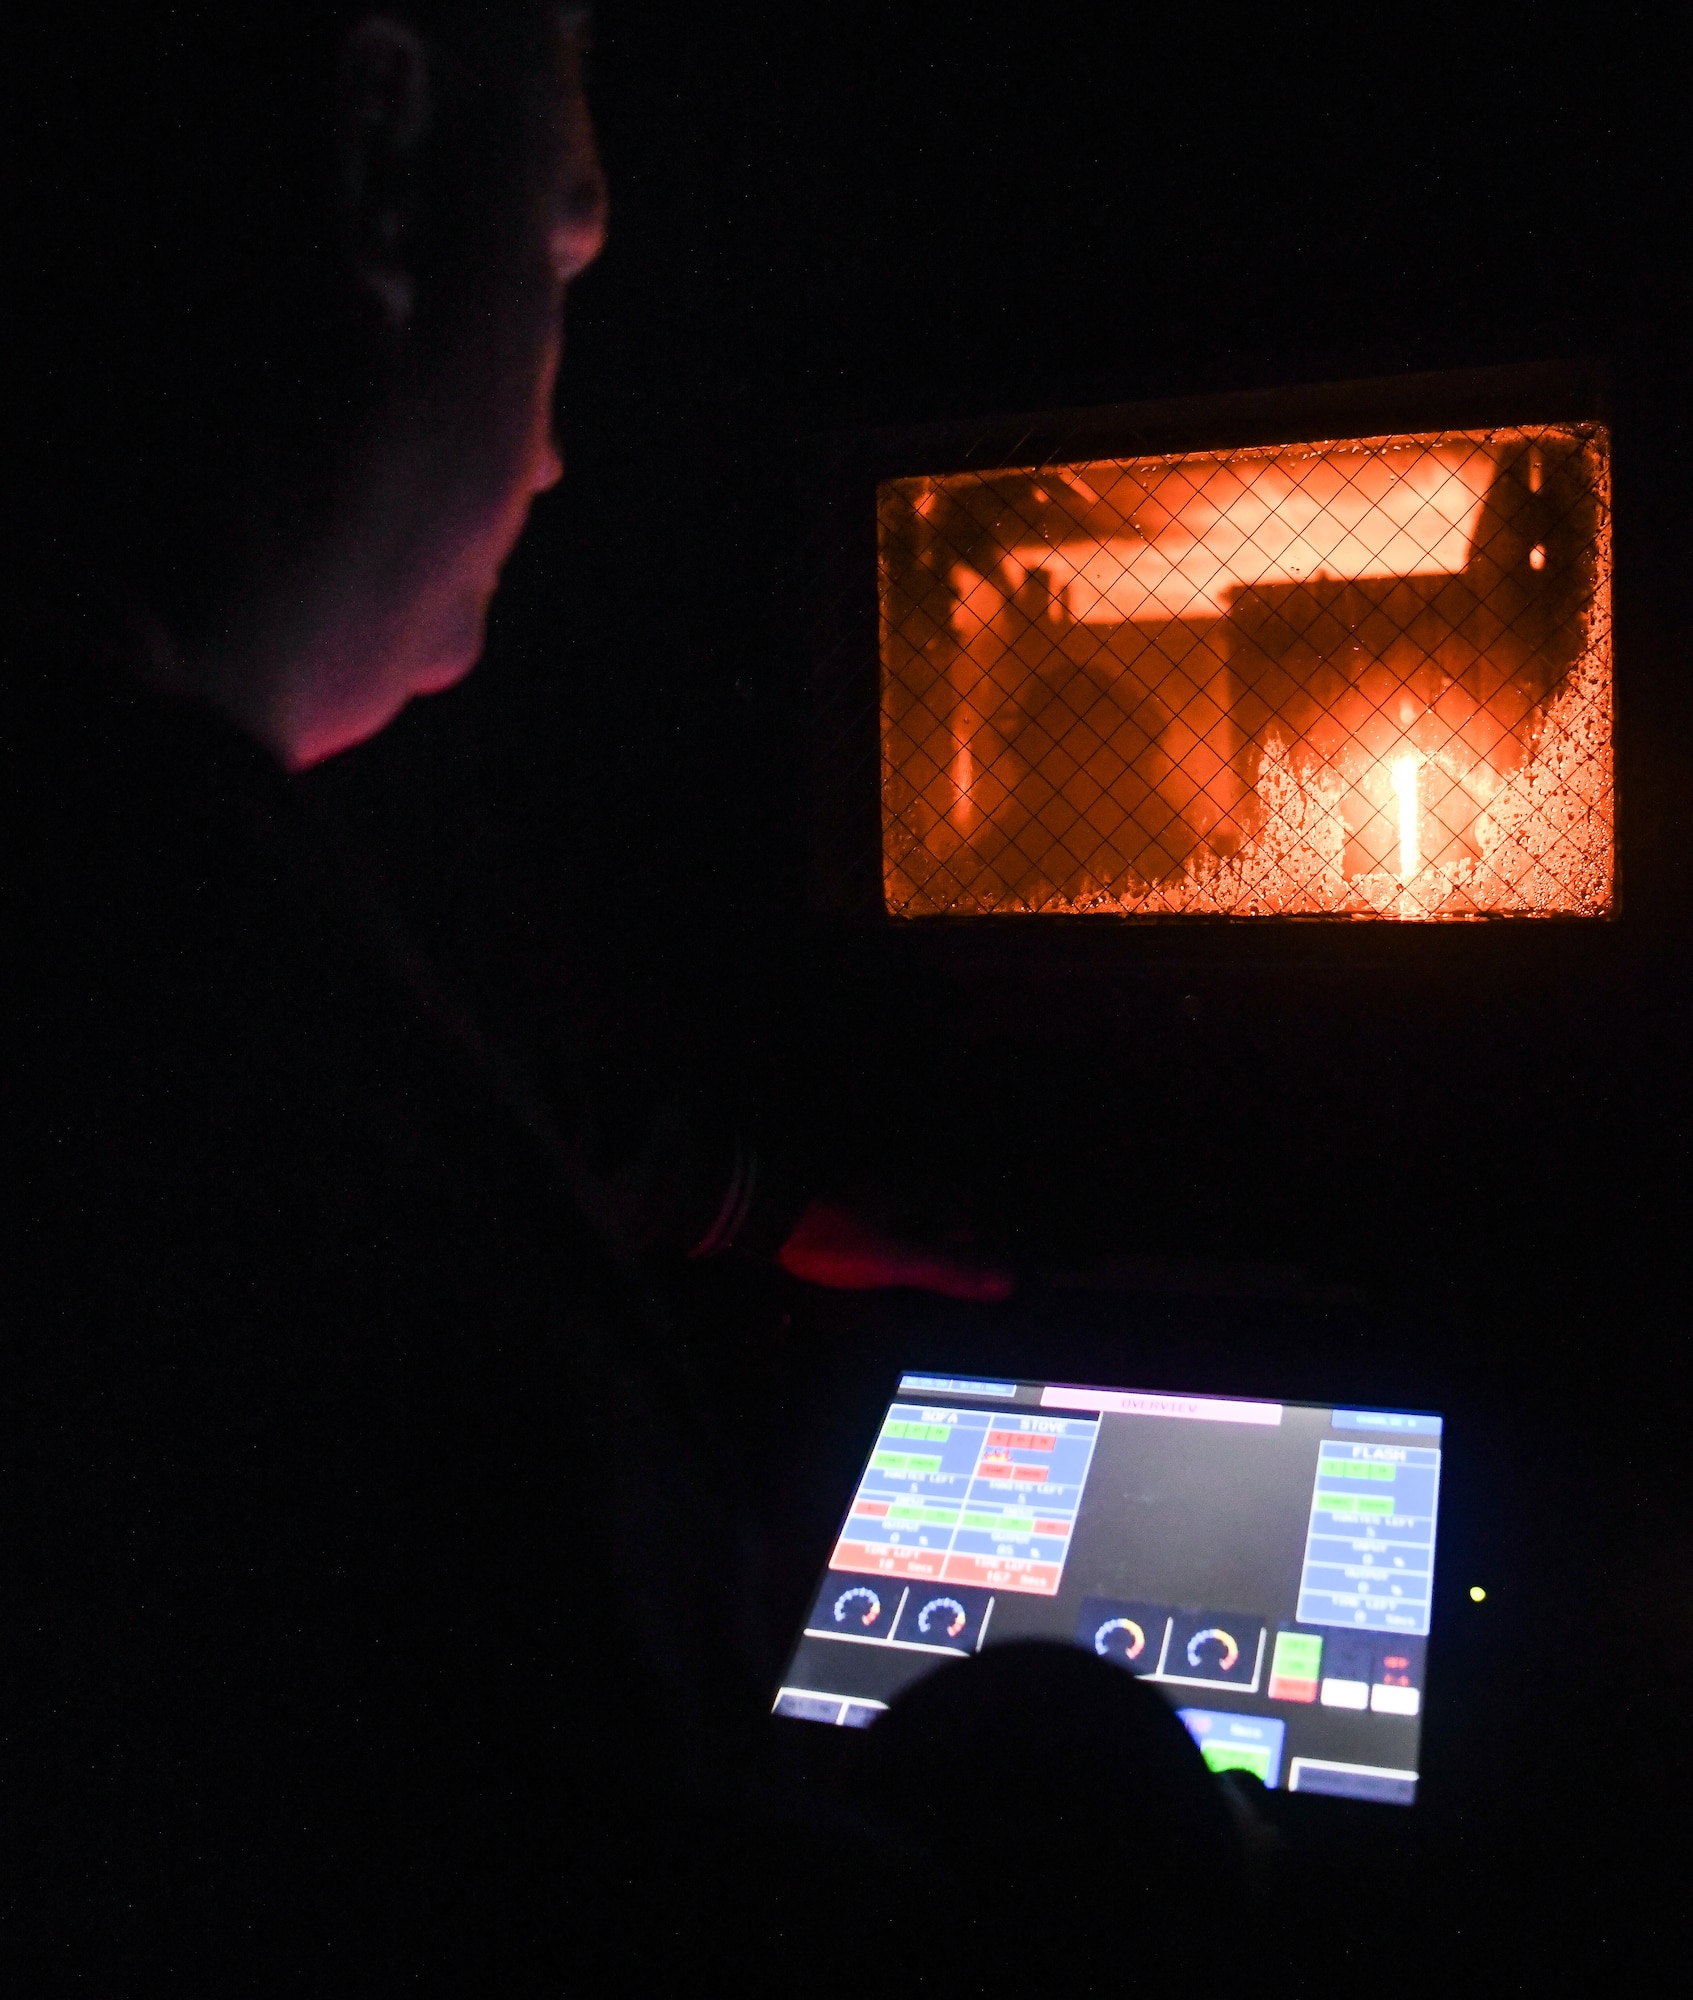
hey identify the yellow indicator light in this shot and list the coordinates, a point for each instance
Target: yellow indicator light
(1477, 1594)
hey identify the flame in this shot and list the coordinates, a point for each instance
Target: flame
(1405, 790)
(963, 775)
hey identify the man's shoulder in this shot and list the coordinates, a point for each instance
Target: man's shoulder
(106, 777)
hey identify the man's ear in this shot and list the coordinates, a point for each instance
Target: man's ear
(382, 114)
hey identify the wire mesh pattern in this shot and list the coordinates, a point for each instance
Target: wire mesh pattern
(1363, 679)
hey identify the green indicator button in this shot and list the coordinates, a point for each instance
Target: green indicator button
(943, 1516)
(922, 1462)
(1355, 1503)
(981, 1520)
(1253, 1757)
(890, 1461)
(1299, 1656)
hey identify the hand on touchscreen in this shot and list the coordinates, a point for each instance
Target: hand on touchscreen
(1076, 1790)
(1027, 1810)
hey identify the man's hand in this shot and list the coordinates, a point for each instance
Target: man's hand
(833, 1247)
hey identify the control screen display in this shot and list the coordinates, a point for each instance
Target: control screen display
(1269, 1567)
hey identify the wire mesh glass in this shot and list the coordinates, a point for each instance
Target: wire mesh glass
(1359, 679)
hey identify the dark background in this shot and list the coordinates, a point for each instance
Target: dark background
(1451, 1177)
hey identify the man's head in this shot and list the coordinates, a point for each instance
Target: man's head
(300, 313)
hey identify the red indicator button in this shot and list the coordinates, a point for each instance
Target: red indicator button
(1002, 1573)
(1284, 1689)
(882, 1559)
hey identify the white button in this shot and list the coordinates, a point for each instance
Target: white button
(1346, 1694)
(1387, 1700)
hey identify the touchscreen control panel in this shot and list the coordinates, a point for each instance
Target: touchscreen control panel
(1269, 1567)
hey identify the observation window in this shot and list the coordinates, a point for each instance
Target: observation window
(1363, 679)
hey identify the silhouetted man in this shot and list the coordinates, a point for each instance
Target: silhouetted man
(369, 1597)
(351, 1524)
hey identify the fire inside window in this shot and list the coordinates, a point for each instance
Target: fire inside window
(1364, 679)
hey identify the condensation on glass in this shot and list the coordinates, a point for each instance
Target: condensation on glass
(1358, 679)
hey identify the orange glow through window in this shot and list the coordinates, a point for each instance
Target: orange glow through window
(1361, 679)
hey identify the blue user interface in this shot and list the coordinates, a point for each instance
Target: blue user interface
(1268, 1567)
